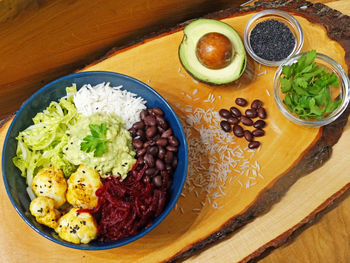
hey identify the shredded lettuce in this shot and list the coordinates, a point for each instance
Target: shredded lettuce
(41, 144)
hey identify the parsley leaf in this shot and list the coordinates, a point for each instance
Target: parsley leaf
(307, 88)
(96, 142)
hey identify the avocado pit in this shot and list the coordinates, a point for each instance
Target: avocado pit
(214, 50)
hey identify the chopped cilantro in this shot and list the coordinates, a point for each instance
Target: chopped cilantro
(306, 86)
(96, 142)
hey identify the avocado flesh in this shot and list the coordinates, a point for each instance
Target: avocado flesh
(187, 52)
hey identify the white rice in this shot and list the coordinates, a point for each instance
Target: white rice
(104, 98)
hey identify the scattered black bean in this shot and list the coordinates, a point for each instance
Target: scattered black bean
(173, 141)
(225, 125)
(258, 132)
(169, 156)
(251, 113)
(225, 113)
(246, 121)
(161, 152)
(153, 150)
(248, 135)
(235, 112)
(149, 159)
(241, 102)
(262, 113)
(171, 148)
(253, 145)
(256, 104)
(141, 152)
(238, 131)
(259, 124)
(233, 120)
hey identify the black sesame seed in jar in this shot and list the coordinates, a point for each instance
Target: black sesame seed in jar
(272, 40)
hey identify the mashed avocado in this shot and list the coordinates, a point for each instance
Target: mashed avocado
(119, 156)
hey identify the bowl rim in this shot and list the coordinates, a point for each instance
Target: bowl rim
(111, 244)
(279, 13)
(331, 117)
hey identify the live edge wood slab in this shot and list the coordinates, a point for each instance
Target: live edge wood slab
(288, 152)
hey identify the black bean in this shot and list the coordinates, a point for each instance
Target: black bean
(238, 131)
(141, 134)
(167, 133)
(137, 143)
(168, 168)
(225, 113)
(158, 111)
(149, 159)
(248, 135)
(141, 152)
(160, 129)
(151, 131)
(246, 121)
(256, 104)
(173, 141)
(153, 150)
(150, 172)
(233, 120)
(171, 148)
(241, 102)
(143, 114)
(162, 142)
(226, 126)
(150, 120)
(259, 124)
(262, 113)
(146, 144)
(161, 122)
(160, 165)
(132, 132)
(258, 132)
(174, 163)
(161, 152)
(169, 156)
(235, 112)
(253, 145)
(157, 181)
(138, 125)
(251, 113)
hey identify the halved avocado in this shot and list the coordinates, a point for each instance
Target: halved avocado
(193, 32)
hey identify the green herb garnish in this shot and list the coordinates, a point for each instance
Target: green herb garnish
(307, 88)
(96, 141)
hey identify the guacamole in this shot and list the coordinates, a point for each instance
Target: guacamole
(119, 156)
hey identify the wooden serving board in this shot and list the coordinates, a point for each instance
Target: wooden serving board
(227, 184)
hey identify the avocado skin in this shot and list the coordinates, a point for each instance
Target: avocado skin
(192, 33)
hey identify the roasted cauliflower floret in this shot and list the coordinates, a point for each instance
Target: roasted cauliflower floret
(50, 182)
(77, 227)
(43, 208)
(82, 186)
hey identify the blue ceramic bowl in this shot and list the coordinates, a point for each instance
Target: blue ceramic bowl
(15, 184)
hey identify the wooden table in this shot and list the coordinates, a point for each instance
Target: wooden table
(328, 240)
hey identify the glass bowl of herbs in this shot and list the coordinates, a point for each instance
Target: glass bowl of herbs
(311, 89)
(272, 36)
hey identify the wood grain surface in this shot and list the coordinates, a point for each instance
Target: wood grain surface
(42, 40)
(327, 241)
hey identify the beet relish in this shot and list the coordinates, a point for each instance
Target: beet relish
(125, 207)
